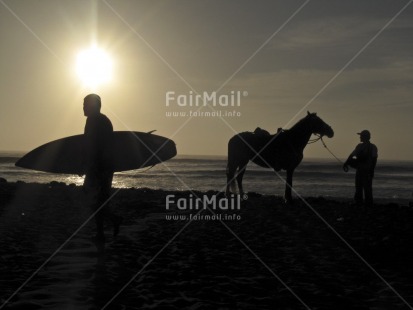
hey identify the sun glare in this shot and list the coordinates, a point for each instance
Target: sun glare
(94, 67)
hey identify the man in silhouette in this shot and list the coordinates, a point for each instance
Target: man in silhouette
(98, 163)
(364, 160)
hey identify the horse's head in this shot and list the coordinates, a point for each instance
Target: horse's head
(318, 126)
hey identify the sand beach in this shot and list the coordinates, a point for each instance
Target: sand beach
(267, 256)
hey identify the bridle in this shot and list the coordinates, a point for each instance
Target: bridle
(320, 138)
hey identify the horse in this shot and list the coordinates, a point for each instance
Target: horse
(283, 150)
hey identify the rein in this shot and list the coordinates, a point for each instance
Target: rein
(311, 141)
(324, 144)
(320, 137)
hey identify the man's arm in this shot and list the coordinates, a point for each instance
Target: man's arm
(373, 166)
(346, 163)
(373, 160)
(90, 147)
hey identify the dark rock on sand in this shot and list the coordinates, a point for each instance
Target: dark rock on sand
(253, 261)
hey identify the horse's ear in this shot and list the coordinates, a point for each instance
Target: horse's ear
(308, 113)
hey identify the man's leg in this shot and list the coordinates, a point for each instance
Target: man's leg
(106, 210)
(368, 190)
(99, 219)
(358, 196)
(102, 202)
(94, 200)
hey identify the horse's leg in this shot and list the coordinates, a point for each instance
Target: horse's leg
(231, 168)
(232, 165)
(240, 175)
(229, 180)
(287, 196)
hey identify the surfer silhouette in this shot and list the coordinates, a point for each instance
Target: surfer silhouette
(98, 163)
(364, 160)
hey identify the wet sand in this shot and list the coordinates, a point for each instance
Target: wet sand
(207, 265)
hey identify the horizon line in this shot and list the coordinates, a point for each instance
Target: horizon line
(16, 153)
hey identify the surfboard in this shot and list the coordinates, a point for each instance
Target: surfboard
(131, 150)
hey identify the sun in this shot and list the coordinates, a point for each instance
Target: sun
(94, 67)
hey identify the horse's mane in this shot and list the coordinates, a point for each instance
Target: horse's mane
(301, 121)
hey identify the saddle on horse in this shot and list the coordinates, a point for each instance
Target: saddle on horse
(262, 142)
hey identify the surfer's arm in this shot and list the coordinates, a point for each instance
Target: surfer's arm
(90, 165)
(90, 147)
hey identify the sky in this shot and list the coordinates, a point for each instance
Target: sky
(349, 61)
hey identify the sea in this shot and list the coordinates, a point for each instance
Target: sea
(312, 178)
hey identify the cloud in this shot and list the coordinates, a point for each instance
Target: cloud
(328, 32)
(328, 43)
(293, 88)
